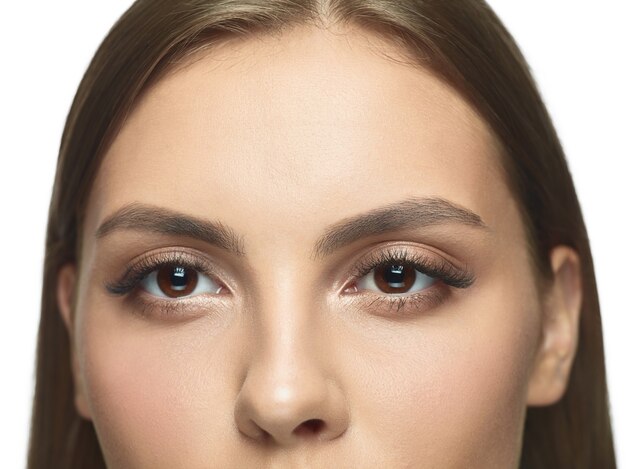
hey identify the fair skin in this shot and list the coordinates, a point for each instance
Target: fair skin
(294, 362)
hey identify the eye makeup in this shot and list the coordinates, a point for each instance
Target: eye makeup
(130, 284)
(443, 275)
(145, 265)
(436, 274)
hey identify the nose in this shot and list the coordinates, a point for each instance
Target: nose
(288, 396)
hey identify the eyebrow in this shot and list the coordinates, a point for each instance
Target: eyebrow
(414, 212)
(144, 217)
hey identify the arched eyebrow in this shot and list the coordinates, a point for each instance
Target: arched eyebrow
(411, 213)
(145, 217)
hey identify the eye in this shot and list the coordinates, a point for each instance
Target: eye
(404, 278)
(176, 281)
(395, 278)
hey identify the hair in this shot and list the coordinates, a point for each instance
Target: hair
(465, 44)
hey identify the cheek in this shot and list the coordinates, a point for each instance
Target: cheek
(454, 392)
(155, 393)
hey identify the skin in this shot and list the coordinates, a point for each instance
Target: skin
(279, 138)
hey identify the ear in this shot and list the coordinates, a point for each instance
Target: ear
(560, 327)
(66, 292)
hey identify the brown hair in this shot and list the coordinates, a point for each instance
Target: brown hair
(467, 46)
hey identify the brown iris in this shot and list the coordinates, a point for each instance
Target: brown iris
(176, 281)
(394, 278)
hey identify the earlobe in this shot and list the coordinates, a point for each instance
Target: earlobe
(560, 327)
(66, 290)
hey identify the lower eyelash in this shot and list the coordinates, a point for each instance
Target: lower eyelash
(172, 308)
(432, 297)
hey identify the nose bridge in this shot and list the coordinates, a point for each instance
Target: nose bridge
(286, 314)
(288, 393)
(285, 325)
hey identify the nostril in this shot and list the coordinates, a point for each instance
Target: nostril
(311, 426)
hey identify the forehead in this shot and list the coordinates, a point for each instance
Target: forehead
(312, 123)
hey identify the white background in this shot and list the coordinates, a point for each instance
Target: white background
(576, 50)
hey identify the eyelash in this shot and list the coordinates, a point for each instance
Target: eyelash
(138, 271)
(135, 273)
(439, 269)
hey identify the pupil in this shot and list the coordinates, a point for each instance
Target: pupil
(395, 276)
(177, 281)
(179, 278)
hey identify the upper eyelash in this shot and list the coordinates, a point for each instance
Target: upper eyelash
(436, 268)
(439, 268)
(142, 268)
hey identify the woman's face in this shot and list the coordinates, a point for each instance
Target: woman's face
(248, 296)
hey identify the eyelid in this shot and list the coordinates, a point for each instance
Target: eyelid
(434, 265)
(140, 268)
(437, 266)
(181, 309)
(447, 276)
